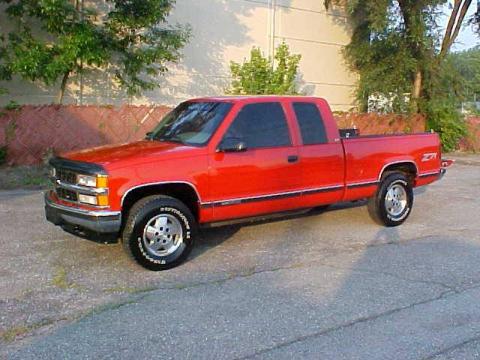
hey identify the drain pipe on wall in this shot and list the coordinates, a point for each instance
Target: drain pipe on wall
(271, 31)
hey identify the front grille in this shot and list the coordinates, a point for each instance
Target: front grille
(66, 176)
(67, 194)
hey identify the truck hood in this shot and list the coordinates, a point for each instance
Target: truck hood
(115, 156)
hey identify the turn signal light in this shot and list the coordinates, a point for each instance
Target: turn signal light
(102, 200)
(102, 181)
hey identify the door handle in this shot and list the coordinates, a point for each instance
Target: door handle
(292, 158)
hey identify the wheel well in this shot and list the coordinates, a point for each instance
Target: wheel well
(408, 168)
(181, 191)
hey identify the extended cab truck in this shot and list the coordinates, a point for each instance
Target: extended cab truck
(225, 158)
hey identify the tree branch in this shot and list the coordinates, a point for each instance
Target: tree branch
(463, 13)
(454, 25)
(63, 86)
(450, 25)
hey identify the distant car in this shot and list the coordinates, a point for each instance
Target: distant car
(219, 159)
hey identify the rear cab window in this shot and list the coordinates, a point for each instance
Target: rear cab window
(261, 125)
(310, 122)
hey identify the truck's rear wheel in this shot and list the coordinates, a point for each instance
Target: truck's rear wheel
(159, 232)
(393, 200)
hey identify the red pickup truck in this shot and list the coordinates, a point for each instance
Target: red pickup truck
(218, 159)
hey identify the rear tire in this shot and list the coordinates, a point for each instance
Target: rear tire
(159, 232)
(393, 201)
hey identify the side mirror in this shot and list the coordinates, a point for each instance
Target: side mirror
(232, 145)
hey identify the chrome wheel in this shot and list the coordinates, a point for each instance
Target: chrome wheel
(163, 235)
(396, 200)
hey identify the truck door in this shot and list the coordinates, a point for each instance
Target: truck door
(264, 177)
(321, 157)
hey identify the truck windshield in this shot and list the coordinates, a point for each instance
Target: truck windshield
(191, 123)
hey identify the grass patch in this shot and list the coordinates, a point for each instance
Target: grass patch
(128, 290)
(11, 334)
(14, 332)
(24, 177)
(60, 279)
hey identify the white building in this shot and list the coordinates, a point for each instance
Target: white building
(225, 30)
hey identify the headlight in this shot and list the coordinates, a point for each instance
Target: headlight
(100, 200)
(99, 181)
(87, 199)
(86, 180)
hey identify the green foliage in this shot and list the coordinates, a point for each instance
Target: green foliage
(398, 49)
(5, 73)
(444, 117)
(3, 154)
(474, 21)
(465, 67)
(391, 42)
(258, 76)
(12, 106)
(395, 43)
(458, 77)
(57, 38)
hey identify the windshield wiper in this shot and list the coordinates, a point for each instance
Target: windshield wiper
(167, 138)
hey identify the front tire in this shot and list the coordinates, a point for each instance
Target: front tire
(159, 232)
(393, 201)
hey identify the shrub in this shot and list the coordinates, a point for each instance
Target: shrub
(447, 121)
(3, 154)
(259, 76)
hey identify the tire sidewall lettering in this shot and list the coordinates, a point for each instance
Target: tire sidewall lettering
(162, 260)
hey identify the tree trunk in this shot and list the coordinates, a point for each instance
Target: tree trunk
(63, 86)
(454, 25)
(416, 91)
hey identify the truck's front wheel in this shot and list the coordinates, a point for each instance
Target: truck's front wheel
(393, 200)
(159, 232)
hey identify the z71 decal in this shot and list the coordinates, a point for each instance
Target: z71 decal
(429, 156)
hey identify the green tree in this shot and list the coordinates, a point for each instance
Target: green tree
(261, 76)
(466, 67)
(55, 39)
(5, 73)
(458, 82)
(397, 46)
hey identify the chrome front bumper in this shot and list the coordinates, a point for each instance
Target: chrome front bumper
(99, 221)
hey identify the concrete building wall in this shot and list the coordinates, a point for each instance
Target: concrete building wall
(222, 31)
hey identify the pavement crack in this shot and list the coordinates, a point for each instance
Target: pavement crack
(386, 273)
(453, 347)
(346, 325)
(136, 298)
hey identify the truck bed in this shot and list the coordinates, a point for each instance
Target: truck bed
(367, 156)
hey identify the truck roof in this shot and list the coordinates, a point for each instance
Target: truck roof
(253, 98)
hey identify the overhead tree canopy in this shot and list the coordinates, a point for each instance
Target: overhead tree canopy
(398, 47)
(54, 39)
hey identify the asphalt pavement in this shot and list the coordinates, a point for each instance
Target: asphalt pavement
(318, 285)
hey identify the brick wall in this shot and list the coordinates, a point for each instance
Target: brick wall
(371, 123)
(472, 141)
(31, 132)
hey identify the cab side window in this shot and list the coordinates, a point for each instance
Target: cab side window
(310, 122)
(261, 125)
